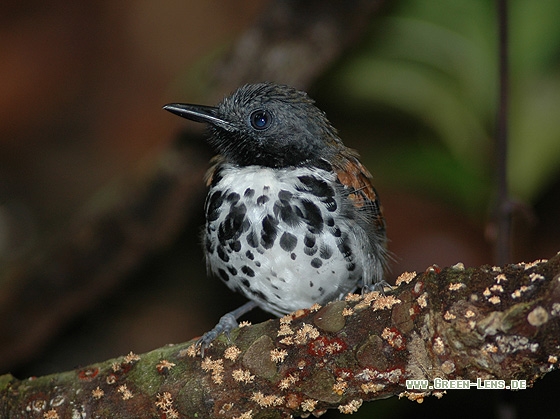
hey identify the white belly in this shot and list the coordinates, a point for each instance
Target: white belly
(280, 244)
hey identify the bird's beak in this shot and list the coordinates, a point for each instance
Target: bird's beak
(198, 113)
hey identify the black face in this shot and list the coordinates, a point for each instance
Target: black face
(266, 124)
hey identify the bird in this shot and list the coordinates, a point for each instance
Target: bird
(292, 216)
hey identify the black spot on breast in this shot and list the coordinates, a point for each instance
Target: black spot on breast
(257, 264)
(233, 197)
(310, 251)
(253, 239)
(320, 189)
(351, 266)
(245, 225)
(222, 254)
(288, 241)
(247, 271)
(330, 203)
(311, 284)
(246, 282)
(213, 205)
(313, 217)
(310, 246)
(249, 193)
(249, 255)
(335, 231)
(269, 231)
(284, 211)
(235, 245)
(223, 274)
(293, 256)
(330, 221)
(345, 249)
(315, 186)
(309, 240)
(325, 252)
(263, 199)
(323, 164)
(284, 195)
(232, 270)
(234, 224)
(316, 262)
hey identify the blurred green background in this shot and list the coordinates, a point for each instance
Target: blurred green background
(435, 65)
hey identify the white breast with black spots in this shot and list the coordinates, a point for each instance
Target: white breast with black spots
(286, 238)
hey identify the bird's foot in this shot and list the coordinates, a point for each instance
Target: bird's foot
(378, 286)
(226, 324)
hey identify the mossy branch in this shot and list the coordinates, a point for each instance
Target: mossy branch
(452, 324)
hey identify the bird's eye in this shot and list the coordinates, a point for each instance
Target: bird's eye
(260, 119)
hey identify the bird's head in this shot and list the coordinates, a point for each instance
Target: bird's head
(265, 124)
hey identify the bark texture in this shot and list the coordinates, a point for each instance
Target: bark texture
(499, 323)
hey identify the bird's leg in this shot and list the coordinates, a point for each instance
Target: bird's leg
(226, 324)
(377, 286)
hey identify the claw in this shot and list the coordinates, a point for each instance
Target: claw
(378, 286)
(226, 324)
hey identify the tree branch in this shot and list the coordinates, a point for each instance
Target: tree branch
(453, 324)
